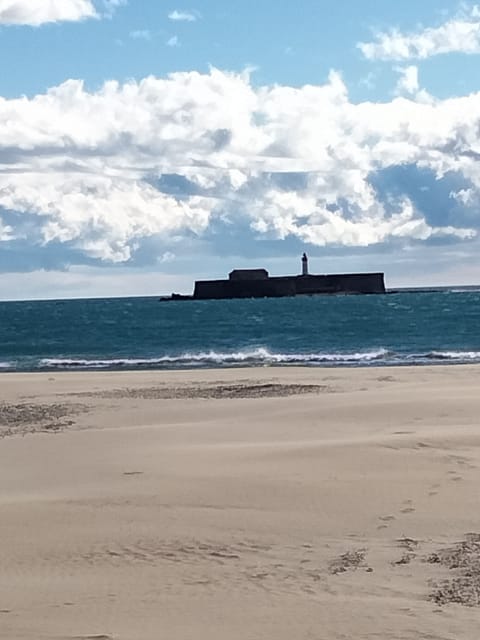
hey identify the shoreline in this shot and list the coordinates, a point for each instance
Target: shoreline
(255, 368)
(424, 361)
(240, 503)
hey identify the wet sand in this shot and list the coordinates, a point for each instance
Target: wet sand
(288, 503)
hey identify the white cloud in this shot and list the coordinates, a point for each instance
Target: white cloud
(173, 42)
(111, 5)
(6, 232)
(465, 197)
(140, 34)
(102, 216)
(408, 81)
(182, 16)
(91, 169)
(37, 12)
(460, 34)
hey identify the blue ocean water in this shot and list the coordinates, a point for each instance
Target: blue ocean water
(141, 333)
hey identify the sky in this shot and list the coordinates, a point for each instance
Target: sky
(146, 143)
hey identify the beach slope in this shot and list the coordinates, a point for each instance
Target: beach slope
(292, 503)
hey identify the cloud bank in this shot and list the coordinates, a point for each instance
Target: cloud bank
(37, 12)
(458, 35)
(178, 157)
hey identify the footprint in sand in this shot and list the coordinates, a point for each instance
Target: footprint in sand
(433, 489)
(407, 510)
(422, 445)
(461, 461)
(454, 476)
(385, 520)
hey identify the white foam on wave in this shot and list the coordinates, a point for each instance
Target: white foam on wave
(65, 363)
(250, 356)
(262, 355)
(463, 356)
(7, 365)
(258, 357)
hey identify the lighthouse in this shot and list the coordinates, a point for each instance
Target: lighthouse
(304, 265)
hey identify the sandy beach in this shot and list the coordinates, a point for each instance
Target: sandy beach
(270, 503)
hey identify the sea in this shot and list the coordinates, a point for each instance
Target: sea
(399, 328)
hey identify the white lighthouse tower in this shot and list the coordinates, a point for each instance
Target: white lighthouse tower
(304, 265)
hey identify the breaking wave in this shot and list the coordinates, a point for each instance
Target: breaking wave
(461, 356)
(261, 357)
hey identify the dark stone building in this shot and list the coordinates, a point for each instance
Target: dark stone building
(256, 283)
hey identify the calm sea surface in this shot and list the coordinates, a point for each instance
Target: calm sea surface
(142, 333)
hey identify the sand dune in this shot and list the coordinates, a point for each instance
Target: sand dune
(290, 503)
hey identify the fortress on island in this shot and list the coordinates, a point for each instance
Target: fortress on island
(257, 283)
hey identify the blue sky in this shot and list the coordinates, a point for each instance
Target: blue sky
(294, 44)
(143, 142)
